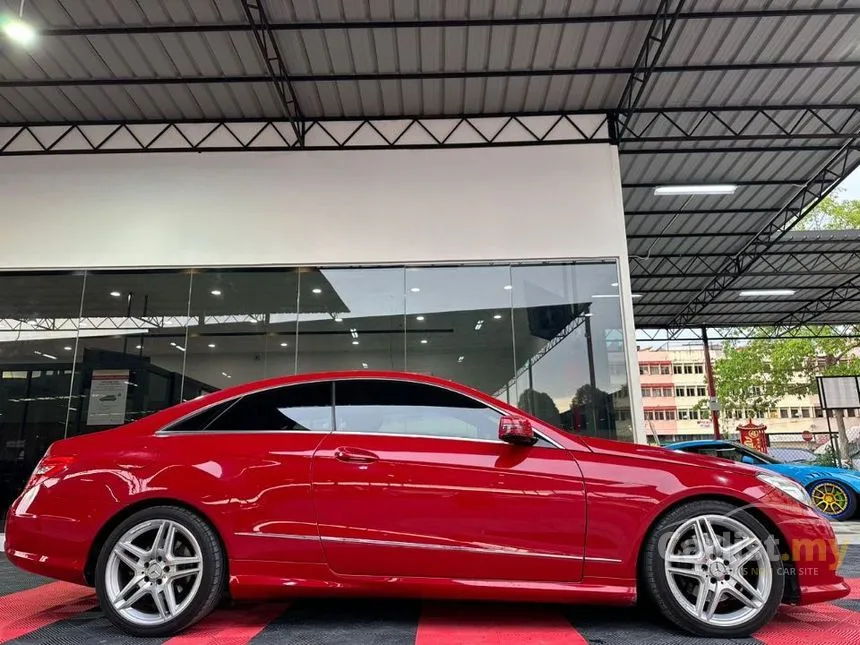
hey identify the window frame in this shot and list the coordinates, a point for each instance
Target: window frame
(166, 429)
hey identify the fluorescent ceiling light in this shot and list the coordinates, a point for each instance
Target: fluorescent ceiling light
(338, 319)
(67, 348)
(215, 292)
(364, 365)
(38, 353)
(419, 317)
(604, 295)
(479, 324)
(497, 317)
(211, 345)
(753, 293)
(701, 189)
(138, 346)
(614, 284)
(415, 290)
(424, 341)
(588, 315)
(317, 290)
(284, 344)
(115, 294)
(461, 359)
(355, 342)
(636, 295)
(226, 374)
(508, 287)
(19, 31)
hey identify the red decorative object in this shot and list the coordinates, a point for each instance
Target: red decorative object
(753, 436)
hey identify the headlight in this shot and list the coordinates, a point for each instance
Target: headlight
(787, 486)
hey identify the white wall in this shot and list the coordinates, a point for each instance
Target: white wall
(352, 207)
(317, 208)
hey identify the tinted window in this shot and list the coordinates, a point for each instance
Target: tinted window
(396, 407)
(201, 420)
(294, 407)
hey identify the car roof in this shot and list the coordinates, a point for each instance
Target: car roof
(696, 443)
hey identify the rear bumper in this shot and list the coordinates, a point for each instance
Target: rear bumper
(48, 545)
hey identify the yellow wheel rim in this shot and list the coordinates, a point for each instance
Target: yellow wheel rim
(830, 498)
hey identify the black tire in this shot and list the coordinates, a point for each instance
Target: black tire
(657, 586)
(214, 571)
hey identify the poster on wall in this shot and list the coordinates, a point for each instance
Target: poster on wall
(108, 394)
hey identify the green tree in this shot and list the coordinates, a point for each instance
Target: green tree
(541, 405)
(755, 375)
(832, 214)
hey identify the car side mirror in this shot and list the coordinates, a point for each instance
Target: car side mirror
(516, 431)
(746, 459)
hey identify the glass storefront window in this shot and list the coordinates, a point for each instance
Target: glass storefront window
(88, 351)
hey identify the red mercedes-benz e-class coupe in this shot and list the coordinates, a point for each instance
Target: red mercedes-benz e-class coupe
(382, 483)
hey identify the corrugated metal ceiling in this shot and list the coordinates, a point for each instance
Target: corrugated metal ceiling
(175, 60)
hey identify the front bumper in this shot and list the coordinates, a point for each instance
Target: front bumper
(809, 550)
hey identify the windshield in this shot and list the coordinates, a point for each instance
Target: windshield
(760, 455)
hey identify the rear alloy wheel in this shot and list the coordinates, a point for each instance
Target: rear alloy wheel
(833, 499)
(714, 576)
(160, 571)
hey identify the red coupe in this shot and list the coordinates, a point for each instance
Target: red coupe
(379, 483)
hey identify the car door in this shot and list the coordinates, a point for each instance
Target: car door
(415, 482)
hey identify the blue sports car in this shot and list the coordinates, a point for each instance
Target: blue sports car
(833, 490)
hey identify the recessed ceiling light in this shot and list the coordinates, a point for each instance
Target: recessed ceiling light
(424, 341)
(67, 348)
(172, 344)
(19, 31)
(355, 342)
(508, 287)
(115, 294)
(364, 365)
(338, 319)
(419, 317)
(226, 374)
(604, 295)
(211, 345)
(138, 346)
(460, 359)
(284, 344)
(316, 290)
(614, 284)
(415, 290)
(215, 292)
(497, 317)
(479, 324)
(701, 189)
(752, 293)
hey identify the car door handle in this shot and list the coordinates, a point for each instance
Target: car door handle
(355, 455)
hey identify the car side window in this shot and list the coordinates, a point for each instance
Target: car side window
(202, 419)
(400, 407)
(725, 452)
(301, 407)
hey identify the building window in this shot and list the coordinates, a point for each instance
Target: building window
(677, 369)
(670, 415)
(783, 413)
(683, 414)
(701, 391)
(806, 412)
(679, 391)
(654, 369)
(643, 369)
(646, 391)
(664, 369)
(691, 391)
(688, 369)
(667, 391)
(699, 368)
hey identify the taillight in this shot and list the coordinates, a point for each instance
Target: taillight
(49, 467)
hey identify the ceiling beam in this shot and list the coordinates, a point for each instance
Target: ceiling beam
(816, 310)
(652, 47)
(837, 167)
(107, 30)
(421, 76)
(273, 59)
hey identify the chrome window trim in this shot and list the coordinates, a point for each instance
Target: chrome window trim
(166, 429)
(428, 546)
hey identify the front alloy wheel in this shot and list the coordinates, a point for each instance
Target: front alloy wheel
(710, 572)
(160, 571)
